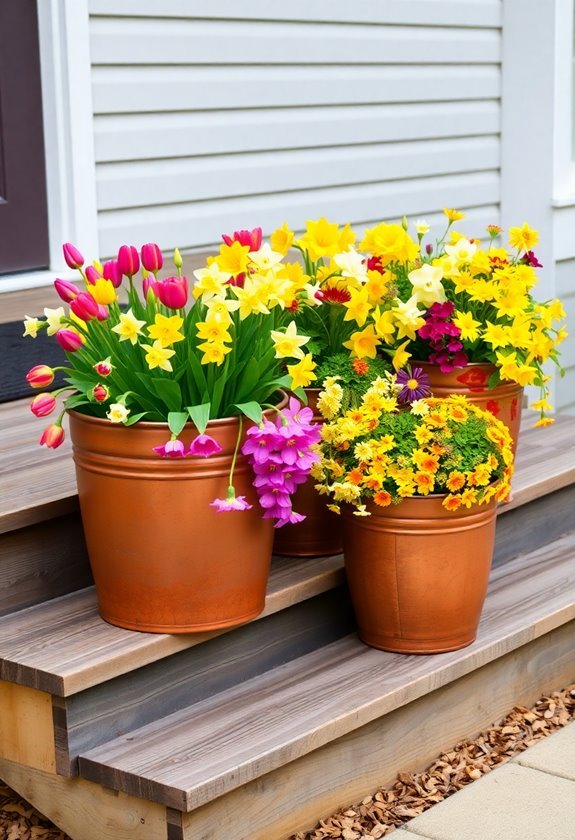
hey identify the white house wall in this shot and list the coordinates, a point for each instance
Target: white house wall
(211, 115)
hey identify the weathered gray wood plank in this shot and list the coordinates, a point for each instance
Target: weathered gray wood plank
(63, 646)
(188, 759)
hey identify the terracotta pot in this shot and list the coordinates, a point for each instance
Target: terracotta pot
(320, 532)
(504, 401)
(163, 560)
(418, 574)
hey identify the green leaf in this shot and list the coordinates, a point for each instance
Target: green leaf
(252, 410)
(301, 395)
(133, 418)
(200, 415)
(75, 400)
(168, 391)
(176, 421)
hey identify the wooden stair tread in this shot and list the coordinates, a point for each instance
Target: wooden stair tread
(62, 646)
(189, 758)
(40, 484)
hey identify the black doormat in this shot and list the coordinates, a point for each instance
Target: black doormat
(18, 355)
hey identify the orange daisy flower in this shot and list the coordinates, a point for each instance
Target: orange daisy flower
(382, 498)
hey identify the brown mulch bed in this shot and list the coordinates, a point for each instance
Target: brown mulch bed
(385, 810)
(388, 808)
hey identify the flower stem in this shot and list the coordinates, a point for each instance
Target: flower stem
(234, 459)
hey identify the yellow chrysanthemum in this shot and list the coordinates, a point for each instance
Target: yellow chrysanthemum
(523, 238)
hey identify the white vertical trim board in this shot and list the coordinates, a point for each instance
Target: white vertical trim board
(68, 135)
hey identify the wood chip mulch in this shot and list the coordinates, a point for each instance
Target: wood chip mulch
(413, 793)
(385, 810)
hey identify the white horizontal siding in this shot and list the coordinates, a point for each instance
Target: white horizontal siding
(209, 117)
(475, 13)
(565, 290)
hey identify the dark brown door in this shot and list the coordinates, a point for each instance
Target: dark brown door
(23, 212)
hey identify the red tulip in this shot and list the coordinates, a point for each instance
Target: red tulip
(152, 259)
(100, 392)
(112, 272)
(66, 290)
(253, 238)
(84, 306)
(40, 376)
(73, 257)
(43, 404)
(172, 291)
(104, 368)
(69, 340)
(53, 436)
(128, 260)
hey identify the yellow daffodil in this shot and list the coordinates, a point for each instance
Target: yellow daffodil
(363, 343)
(158, 356)
(288, 343)
(321, 239)
(165, 329)
(265, 259)
(401, 356)
(54, 319)
(117, 413)
(234, 259)
(390, 243)
(213, 352)
(453, 215)
(496, 335)
(129, 327)
(408, 318)
(358, 306)
(421, 227)
(252, 299)
(281, 239)
(462, 252)
(211, 281)
(214, 328)
(302, 373)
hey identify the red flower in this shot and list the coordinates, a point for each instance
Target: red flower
(40, 376)
(53, 436)
(152, 259)
(332, 294)
(128, 260)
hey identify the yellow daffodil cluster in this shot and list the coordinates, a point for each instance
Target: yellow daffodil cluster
(375, 455)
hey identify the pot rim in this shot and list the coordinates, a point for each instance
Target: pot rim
(469, 364)
(162, 424)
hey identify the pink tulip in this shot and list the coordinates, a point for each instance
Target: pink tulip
(149, 285)
(253, 238)
(73, 257)
(204, 446)
(53, 436)
(92, 274)
(66, 290)
(40, 376)
(69, 340)
(111, 272)
(128, 260)
(84, 306)
(103, 313)
(172, 291)
(100, 392)
(42, 405)
(152, 259)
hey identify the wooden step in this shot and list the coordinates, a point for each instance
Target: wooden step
(196, 755)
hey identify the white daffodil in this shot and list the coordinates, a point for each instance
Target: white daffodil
(352, 265)
(462, 251)
(427, 285)
(54, 318)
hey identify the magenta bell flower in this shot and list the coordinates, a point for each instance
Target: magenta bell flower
(84, 306)
(66, 290)
(172, 291)
(69, 340)
(171, 449)
(111, 272)
(128, 260)
(152, 258)
(204, 446)
(231, 502)
(73, 257)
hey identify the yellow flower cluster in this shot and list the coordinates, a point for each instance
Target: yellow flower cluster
(376, 454)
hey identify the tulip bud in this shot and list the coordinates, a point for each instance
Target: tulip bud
(152, 259)
(103, 312)
(404, 223)
(43, 404)
(53, 436)
(429, 249)
(92, 274)
(40, 376)
(73, 257)
(172, 291)
(100, 392)
(104, 368)
(128, 260)
(178, 262)
(149, 285)
(69, 340)
(66, 290)
(84, 306)
(112, 272)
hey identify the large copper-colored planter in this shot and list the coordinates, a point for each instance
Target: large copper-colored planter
(418, 574)
(320, 533)
(163, 560)
(504, 401)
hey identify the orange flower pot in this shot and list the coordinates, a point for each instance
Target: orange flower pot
(418, 574)
(163, 560)
(320, 532)
(504, 401)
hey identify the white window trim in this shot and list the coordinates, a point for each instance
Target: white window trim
(564, 107)
(63, 28)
